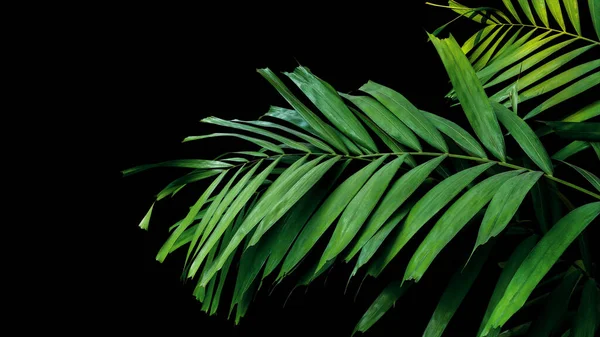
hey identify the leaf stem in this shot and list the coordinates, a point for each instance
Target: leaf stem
(549, 29)
(514, 167)
(434, 154)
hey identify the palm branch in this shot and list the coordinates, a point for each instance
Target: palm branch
(370, 170)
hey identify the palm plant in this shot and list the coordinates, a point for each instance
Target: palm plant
(372, 170)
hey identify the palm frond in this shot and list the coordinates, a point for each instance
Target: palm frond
(530, 58)
(322, 178)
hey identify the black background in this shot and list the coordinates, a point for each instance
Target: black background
(168, 66)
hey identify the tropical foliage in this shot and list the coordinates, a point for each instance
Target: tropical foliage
(370, 170)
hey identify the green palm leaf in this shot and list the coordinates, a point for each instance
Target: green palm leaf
(538, 262)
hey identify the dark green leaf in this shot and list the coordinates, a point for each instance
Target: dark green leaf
(426, 208)
(589, 176)
(457, 134)
(513, 263)
(524, 136)
(179, 183)
(323, 130)
(398, 193)
(504, 205)
(326, 214)
(556, 306)
(455, 292)
(331, 105)
(262, 143)
(577, 131)
(455, 218)
(189, 218)
(537, 264)
(312, 140)
(372, 245)
(381, 305)
(587, 319)
(387, 121)
(184, 163)
(407, 113)
(571, 149)
(359, 209)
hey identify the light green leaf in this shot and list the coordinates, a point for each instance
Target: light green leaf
(543, 70)
(457, 134)
(146, 219)
(510, 43)
(577, 131)
(471, 95)
(438, 197)
(407, 113)
(483, 61)
(527, 10)
(537, 264)
(476, 39)
(381, 305)
(555, 307)
(540, 9)
(312, 140)
(331, 105)
(571, 149)
(515, 54)
(184, 163)
(262, 143)
(524, 136)
(589, 176)
(322, 129)
(474, 13)
(398, 193)
(282, 201)
(573, 12)
(587, 319)
(455, 218)
(484, 45)
(570, 91)
(594, 7)
(513, 263)
(554, 6)
(359, 209)
(532, 61)
(511, 9)
(331, 208)
(385, 120)
(590, 111)
(236, 125)
(455, 292)
(504, 205)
